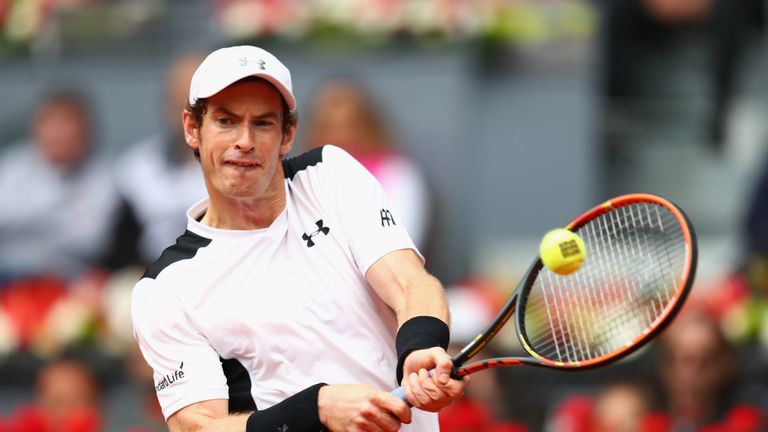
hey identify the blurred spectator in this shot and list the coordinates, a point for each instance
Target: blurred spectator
(58, 199)
(621, 405)
(69, 397)
(158, 179)
(698, 370)
(343, 114)
(68, 400)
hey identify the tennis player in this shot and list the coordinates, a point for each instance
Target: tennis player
(295, 300)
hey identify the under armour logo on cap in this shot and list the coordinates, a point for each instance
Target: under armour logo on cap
(245, 60)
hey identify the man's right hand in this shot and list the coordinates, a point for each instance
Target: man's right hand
(358, 407)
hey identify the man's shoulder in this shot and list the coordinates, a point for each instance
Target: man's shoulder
(185, 248)
(324, 157)
(296, 164)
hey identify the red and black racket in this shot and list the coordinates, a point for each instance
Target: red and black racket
(640, 264)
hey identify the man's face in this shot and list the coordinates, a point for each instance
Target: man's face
(241, 141)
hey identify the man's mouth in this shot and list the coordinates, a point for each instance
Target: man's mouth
(247, 163)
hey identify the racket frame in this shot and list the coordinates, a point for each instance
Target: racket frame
(516, 303)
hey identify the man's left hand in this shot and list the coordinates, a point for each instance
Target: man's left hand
(431, 393)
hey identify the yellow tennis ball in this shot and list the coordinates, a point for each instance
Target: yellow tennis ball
(562, 251)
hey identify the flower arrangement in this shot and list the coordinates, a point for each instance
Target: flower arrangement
(516, 21)
(46, 315)
(37, 22)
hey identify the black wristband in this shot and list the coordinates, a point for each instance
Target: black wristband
(418, 333)
(298, 413)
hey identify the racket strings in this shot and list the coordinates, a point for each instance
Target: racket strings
(635, 262)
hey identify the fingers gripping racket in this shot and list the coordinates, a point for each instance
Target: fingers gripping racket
(641, 259)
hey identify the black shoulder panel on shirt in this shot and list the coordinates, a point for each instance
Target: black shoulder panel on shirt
(301, 162)
(239, 383)
(185, 248)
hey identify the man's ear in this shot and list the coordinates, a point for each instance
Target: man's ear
(287, 144)
(191, 130)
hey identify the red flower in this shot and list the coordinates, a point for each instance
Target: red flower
(464, 416)
(655, 422)
(506, 427)
(28, 301)
(29, 418)
(744, 418)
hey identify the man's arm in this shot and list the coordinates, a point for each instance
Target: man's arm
(342, 408)
(401, 281)
(211, 415)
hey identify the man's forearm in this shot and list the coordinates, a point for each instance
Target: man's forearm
(198, 422)
(297, 413)
(424, 296)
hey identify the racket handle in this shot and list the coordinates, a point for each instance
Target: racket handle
(399, 392)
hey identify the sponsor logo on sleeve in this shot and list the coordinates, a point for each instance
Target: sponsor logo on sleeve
(386, 217)
(170, 378)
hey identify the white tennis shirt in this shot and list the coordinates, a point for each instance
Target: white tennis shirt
(256, 316)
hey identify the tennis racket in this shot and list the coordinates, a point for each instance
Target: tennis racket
(640, 264)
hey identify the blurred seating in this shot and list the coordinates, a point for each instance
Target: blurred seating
(653, 52)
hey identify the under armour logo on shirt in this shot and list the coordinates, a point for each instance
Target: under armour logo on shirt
(320, 229)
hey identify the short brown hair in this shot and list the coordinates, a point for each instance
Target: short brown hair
(199, 108)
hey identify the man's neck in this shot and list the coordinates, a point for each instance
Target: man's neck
(243, 214)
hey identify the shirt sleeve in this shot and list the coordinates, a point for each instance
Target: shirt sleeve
(186, 368)
(373, 225)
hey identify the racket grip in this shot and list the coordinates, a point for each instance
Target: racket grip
(399, 392)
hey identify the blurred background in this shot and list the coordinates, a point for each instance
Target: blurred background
(488, 122)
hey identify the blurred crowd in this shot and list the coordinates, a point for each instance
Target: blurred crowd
(77, 229)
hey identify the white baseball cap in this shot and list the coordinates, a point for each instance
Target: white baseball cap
(226, 66)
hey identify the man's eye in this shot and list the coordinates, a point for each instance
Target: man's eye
(224, 121)
(263, 123)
